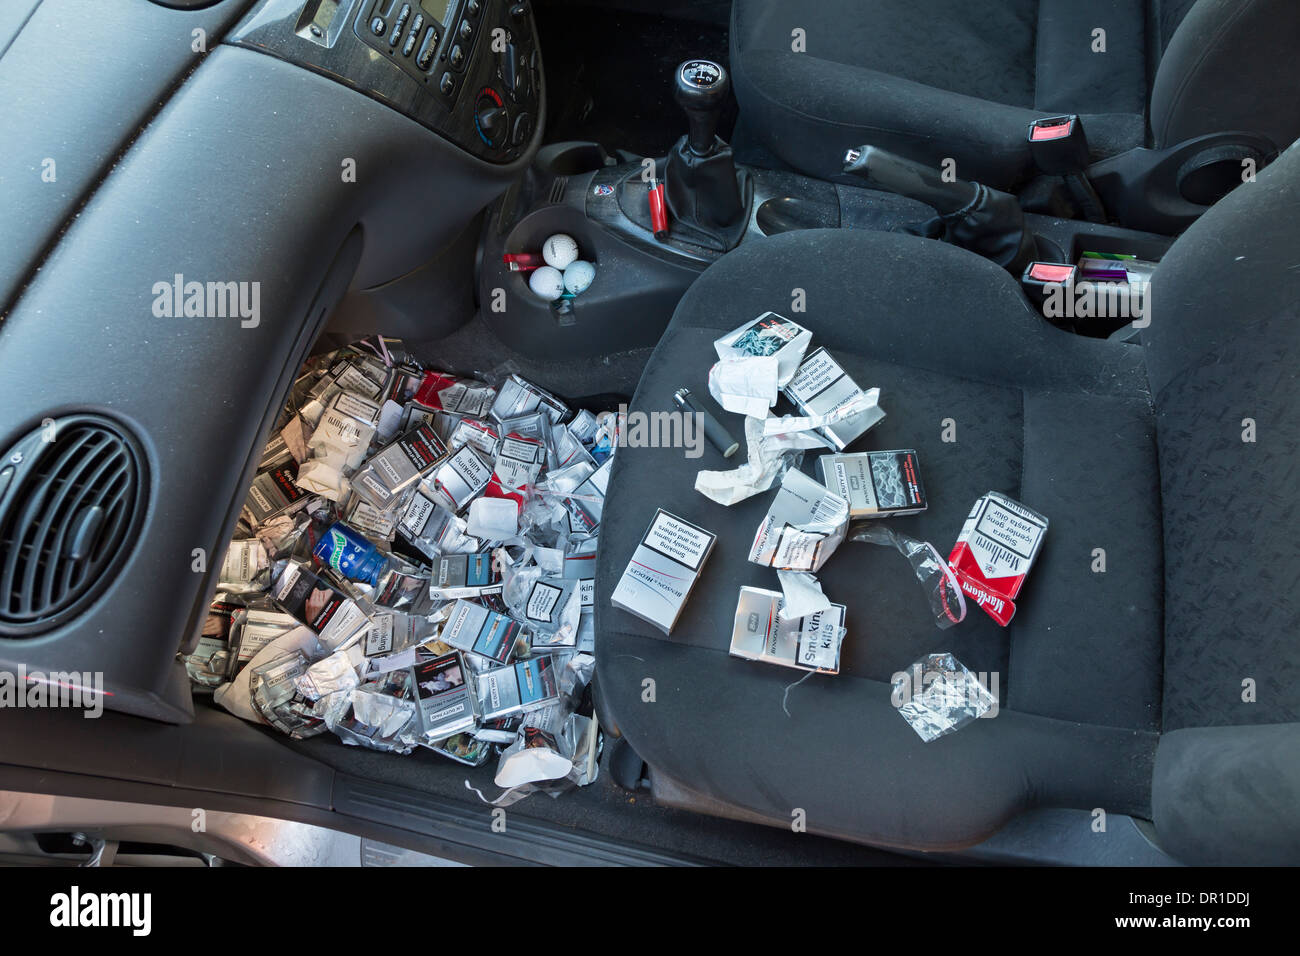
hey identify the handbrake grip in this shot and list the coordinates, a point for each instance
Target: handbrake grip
(882, 169)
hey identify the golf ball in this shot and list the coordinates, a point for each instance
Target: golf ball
(559, 250)
(547, 282)
(578, 275)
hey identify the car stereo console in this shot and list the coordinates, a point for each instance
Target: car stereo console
(470, 70)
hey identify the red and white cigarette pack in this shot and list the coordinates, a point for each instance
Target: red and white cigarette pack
(994, 552)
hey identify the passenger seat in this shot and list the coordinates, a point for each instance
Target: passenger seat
(1166, 687)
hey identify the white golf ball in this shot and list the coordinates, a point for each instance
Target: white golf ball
(547, 282)
(578, 275)
(559, 250)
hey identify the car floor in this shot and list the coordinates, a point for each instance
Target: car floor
(602, 809)
(475, 349)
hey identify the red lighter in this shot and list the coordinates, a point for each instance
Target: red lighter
(658, 211)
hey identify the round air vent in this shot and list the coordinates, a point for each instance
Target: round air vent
(72, 497)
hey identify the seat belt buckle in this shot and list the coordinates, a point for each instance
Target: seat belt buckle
(1058, 144)
(1040, 277)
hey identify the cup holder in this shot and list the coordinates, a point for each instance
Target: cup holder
(789, 214)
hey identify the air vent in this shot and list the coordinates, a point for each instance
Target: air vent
(559, 186)
(71, 500)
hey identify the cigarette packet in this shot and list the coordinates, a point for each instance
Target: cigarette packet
(663, 569)
(876, 484)
(809, 643)
(820, 387)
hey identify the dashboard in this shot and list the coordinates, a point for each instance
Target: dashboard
(470, 70)
(333, 154)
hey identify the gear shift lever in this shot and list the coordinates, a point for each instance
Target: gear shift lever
(704, 196)
(701, 89)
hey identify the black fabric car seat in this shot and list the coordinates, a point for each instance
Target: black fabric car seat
(954, 79)
(1166, 686)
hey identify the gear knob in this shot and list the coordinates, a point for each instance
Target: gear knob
(700, 88)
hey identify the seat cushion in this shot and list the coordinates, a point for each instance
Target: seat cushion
(1060, 422)
(963, 81)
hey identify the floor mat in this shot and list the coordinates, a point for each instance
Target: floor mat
(597, 383)
(604, 809)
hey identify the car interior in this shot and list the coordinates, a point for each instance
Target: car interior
(914, 183)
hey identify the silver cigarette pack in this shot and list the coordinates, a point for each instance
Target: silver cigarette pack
(803, 526)
(663, 569)
(809, 643)
(822, 387)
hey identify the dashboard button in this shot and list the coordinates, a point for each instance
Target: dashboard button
(409, 45)
(377, 26)
(472, 8)
(417, 24)
(424, 59)
(466, 29)
(447, 84)
(400, 24)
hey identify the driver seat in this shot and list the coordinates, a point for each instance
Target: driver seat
(1166, 687)
(961, 80)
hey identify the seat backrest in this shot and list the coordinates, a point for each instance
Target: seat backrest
(1223, 359)
(1228, 65)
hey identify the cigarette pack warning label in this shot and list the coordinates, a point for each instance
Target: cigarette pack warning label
(679, 540)
(542, 601)
(817, 373)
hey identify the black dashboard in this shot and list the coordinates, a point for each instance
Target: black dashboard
(470, 70)
(291, 145)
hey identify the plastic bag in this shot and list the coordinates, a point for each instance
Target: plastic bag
(947, 605)
(937, 696)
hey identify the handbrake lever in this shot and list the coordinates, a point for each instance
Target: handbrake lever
(985, 221)
(882, 169)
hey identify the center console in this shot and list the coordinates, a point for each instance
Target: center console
(470, 70)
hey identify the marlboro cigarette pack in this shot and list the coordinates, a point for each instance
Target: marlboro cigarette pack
(450, 393)
(809, 643)
(802, 528)
(663, 569)
(478, 434)
(460, 478)
(876, 484)
(519, 460)
(346, 429)
(821, 387)
(994, 552)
